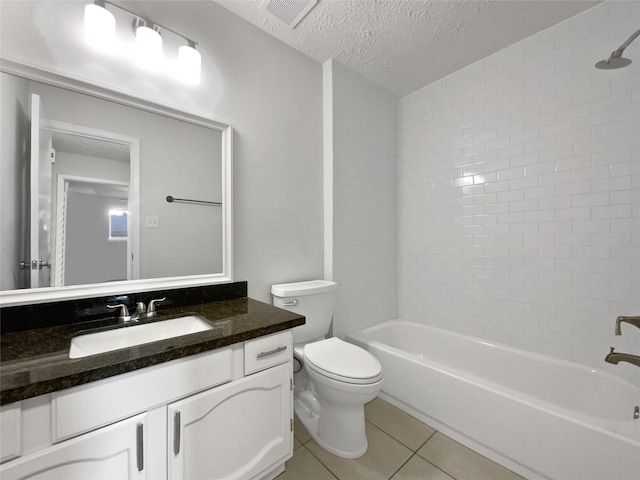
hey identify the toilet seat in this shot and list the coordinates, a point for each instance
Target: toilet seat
(342, 361)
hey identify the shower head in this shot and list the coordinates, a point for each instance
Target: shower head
(612, 63)
(616, 60)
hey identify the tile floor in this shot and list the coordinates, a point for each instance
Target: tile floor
(400, 448)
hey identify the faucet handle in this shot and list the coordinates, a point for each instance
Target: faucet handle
(152, 304)
(124, 311)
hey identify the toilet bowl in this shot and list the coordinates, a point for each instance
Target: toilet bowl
(334, 379)
(342, 378)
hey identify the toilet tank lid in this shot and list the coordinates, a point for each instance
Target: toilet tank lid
(311, 287)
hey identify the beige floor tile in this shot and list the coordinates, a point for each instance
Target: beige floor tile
(418, 468)
(400, 425)
(384, 457)
(296, 443)
(461, 462)
(303, 465)
(300, 431)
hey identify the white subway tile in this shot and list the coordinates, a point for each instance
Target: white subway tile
(497, 144)
(592, 226)
(572, 239)
(511, 151)
(582, 213)
(611, 184)
(554, 227)
(582, 174)
(521, 183)
(540, 216)
(589, 200)
(611, 212)
(555, 178)
(524, 216)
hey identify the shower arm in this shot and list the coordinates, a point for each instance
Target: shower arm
(618, 52)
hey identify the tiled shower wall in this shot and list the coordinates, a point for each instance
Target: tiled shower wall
(360, 122)
(519, 194)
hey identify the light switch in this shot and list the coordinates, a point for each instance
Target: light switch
(152, 222)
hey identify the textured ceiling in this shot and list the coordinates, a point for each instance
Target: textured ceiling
(91, 147)
(407, 44)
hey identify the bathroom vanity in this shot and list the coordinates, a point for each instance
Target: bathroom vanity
(213, 404)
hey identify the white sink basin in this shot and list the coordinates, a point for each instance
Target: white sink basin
(101, 342)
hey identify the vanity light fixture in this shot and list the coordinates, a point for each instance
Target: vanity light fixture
(148, 47)
(189, 62)
(99, 26)
(100, 33)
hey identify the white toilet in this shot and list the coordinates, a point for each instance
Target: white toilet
(333, 379)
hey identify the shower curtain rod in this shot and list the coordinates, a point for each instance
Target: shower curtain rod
(171, 199)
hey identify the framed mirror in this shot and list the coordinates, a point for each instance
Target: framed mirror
(104, 193)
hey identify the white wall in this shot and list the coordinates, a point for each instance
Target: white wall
(270, 94)
(86, 166)
(519, 194)
(360, 198)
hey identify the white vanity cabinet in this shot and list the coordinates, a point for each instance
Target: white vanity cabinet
(10, 432)
(204, 416)
(235, 431)
(112, 452)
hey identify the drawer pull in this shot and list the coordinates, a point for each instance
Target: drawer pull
(271, 352)
(140, 446)
(176, 433)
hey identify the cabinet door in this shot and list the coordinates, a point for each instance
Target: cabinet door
(113, 452)
(236, 431)
(10, 431)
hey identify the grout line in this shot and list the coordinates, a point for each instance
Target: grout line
(400, 467)
(322, 463)
(302, 441)
(390, 436)
(429, 437)
(400, 441)
(436, 466)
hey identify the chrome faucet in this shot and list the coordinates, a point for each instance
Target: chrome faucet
(632, 320)
(151, 311)
(124, 313)
(615, 357)
(141, 311)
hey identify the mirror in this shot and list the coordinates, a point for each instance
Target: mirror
(104, 193)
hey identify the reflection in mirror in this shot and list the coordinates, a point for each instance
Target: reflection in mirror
(82, 175)
(85, 182)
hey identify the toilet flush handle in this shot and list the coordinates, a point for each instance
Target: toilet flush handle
(292, 303)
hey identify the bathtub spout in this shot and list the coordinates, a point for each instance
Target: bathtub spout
(631, 320)
(615, 357)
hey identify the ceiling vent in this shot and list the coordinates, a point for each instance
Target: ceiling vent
(291, 12)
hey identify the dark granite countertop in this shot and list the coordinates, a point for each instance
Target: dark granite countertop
(35, 362)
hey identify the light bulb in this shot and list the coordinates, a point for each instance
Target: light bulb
(189, 64)
(148, 47)
(99, 27)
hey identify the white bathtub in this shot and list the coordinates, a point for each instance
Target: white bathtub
(539, 416)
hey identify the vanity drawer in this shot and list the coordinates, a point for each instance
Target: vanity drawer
(265, 352)
(86, 407)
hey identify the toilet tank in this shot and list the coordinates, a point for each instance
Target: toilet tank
(314, 299)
